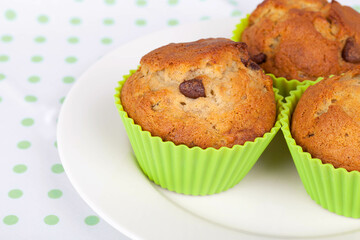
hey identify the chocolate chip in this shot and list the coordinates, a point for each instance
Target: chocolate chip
(351, 51)
(254, 66)
(245, 61)
(259, 58)
(193, 88)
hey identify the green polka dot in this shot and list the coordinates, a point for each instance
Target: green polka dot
(34, 79)
(173, 2)
(205, 18)
(4, 58)
(141, 3)
(30, 98)
(40, 39)
(0, 99)
(15, 193)
(6, 38)
(92, 220)
(10, 14)
(110, 2)
(173, 22)
(10, 220)
(140, 22)
(43, 19)
(55, 144)
(75, 21)
(55, 193)
(2, 76)
(37, 59)
(20, 168)
(27, 122)
(357, 8)
(68, 79)
(24, 144)
(57, 168)
(233, 2)
(62, 100)
(71, 59)
(73, 40)
(236, 13)
(108, 21)
(51, 219)
(106, 41)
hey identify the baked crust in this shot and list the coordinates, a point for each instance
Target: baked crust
(303, 39)
(326, 121)
(237, 104)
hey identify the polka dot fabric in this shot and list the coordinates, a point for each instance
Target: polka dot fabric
(45, 45)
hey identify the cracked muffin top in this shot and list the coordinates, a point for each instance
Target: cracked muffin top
(326, 121)
(206, 93)
(304, 39)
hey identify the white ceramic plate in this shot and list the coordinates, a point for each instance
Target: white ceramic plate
(269, 202)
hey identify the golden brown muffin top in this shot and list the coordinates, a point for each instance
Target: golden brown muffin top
(304, 39)
(197, 53)
(206, 93)
(326, 121)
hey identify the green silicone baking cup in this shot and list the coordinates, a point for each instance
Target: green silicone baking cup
(192, 171)
(335, 189)
(284, 85)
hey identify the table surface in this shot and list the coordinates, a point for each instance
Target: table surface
(45, 45)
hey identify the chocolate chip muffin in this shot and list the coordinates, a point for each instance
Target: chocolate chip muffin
(326, 121)
(206, 93)
(304, 39)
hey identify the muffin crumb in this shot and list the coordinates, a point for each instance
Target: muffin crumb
(207, 93)
(326, 121)
(304, 39)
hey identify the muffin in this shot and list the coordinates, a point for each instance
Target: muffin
(304, 39)
(206, 93)
(326, 151)
(187, 108)
(326, 121)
